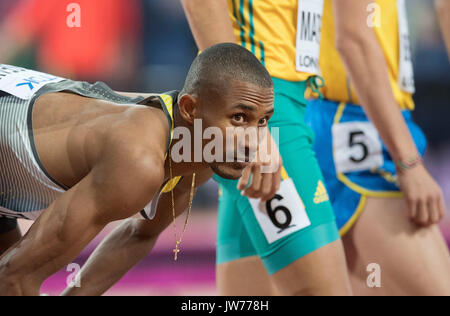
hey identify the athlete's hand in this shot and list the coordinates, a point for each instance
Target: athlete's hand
(423, 196)
(262, 177)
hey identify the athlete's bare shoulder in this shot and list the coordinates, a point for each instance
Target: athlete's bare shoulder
(140, 132)
(132, 159)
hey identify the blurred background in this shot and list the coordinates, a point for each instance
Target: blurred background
(146, 46)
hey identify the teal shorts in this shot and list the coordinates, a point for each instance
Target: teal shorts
(367, 170)
(300, 219)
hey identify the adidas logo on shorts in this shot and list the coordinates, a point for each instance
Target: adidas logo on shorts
(321, 194)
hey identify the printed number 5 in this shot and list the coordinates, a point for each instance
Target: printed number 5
(272, 213)
(353, 142)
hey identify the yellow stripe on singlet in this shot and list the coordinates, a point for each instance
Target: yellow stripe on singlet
(169, 103)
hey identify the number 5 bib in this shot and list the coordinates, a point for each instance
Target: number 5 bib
(356, 147)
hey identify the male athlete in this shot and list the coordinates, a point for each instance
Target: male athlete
(76, 156)
(386, 203)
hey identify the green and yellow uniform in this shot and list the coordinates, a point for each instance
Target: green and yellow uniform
(299, 220)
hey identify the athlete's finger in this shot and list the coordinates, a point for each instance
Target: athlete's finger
(243, 180)
(433, 209)
(276, 182)
(253, 191)
(267, 186)
(422, 216)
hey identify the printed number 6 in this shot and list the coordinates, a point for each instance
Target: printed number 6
(280, 208)
(352, 143)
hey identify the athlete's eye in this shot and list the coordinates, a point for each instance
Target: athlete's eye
(239, 118)
(263, 122)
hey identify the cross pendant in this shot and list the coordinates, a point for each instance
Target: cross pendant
(176, 251)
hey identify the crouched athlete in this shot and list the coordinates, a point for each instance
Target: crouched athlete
(75, 156)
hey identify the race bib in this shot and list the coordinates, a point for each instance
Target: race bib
(356, 147)
(406, 71)
(283, 215)
(23, 83)
(309, 25)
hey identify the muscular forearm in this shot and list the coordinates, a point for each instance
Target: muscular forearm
(51, 243)
(443, 10)
(116, 255)
(209, 21)
(366, 66)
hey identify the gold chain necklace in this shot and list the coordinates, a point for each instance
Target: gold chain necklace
(191, 197)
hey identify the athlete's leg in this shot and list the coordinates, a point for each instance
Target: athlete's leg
(9, 233)
(413, 260)
(322, 272)
(242, 277)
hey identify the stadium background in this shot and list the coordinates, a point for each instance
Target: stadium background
(146, 45)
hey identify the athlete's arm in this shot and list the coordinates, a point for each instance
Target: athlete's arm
(443, 10)
(130, 242)
(366, 66)
(209, 21)
(119, 186)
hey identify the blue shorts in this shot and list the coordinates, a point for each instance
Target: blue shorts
(342, 128)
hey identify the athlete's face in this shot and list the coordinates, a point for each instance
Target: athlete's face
(239, 114)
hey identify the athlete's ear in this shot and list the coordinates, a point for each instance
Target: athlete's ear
(188, 108)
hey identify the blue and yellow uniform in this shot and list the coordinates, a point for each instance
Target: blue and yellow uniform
(355, 162)
(299, 220)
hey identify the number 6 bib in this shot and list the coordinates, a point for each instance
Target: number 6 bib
(282, 215)
(356, 147)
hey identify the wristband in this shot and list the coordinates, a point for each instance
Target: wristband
(409, 164)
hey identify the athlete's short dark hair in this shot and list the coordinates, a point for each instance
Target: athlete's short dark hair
(215, 67)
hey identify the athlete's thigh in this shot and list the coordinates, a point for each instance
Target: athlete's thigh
(319, 273)
(9, 233)
(243, 277)
(413, 260)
